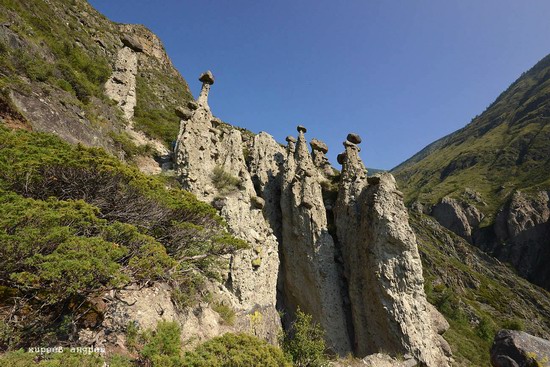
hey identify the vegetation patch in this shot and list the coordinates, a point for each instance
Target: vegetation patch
(224, 181)
(76, 222)
(304, 343)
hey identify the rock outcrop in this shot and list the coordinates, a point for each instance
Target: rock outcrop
(518, 349)
(522, 236)
(382, 266)
(207, 151)
(121, 87)
(365, 287)
(311, 280)
(459, 217)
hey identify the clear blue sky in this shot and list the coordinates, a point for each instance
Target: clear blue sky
(401, 73)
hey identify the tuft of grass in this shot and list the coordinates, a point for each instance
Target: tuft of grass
(226, 312)
(224, 181)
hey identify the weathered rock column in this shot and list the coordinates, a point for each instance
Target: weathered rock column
(205, 146)
(382, 266)
(311, 279)
(207, 80)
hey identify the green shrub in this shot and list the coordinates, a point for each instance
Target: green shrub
(124, 142)
(224, 181)
(75, 221)
(305, 342)
(163, 346)
(235, 350)
(514, 324)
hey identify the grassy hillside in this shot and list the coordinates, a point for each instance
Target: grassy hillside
(62, 52)
(504, 149)
(477, 294)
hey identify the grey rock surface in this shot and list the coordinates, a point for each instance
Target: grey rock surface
(459, 217)
(517, 348)
(200, 149)
(132, 43)
(382, 266)
(311, 280)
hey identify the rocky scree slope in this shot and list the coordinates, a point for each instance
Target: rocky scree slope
(488, 182)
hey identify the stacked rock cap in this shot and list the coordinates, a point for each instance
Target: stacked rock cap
(207, 77)
(301, 129)
(354, 138)
(132, 43)
(291, 139)
(340, 158)
(318, 145)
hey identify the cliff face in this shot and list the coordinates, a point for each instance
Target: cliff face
(382, 266)
(368, 299)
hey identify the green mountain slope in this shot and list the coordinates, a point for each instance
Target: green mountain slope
(504, 149)
(55, 57)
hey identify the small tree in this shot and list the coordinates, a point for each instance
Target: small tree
(305, 342)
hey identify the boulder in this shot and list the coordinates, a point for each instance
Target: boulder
(183, 113)
(318, 145)
(518, 349)
(132, 43)
(354, 138)
(301, 129)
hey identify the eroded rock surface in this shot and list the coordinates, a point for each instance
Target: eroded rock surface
(382, 265)
(311, 278)
(459, 217)
(205, 149)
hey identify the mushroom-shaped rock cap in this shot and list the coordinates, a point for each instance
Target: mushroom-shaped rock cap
(301, 129)
(207, 77)
(317, 144)
(354, 138)
(291, 139)
(341, 157)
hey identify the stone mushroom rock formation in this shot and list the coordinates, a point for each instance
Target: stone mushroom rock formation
(382, 266)
(311, 279)
(207, 80)
(320, 160)
(318, 145)
(207, 77)
(198, 152)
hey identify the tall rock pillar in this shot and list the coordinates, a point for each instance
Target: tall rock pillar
(311, 278)
(382, 265)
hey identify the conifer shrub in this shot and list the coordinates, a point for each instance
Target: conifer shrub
(76, 222)
(304, 342)
(236, 350)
